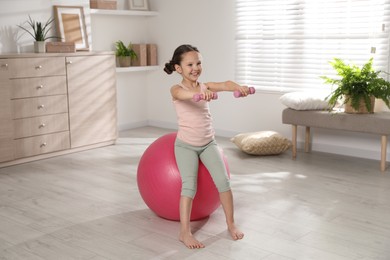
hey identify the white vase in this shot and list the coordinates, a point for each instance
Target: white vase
(39, 47)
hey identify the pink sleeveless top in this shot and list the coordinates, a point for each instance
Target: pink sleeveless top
(194, 120)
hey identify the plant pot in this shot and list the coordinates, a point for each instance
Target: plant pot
(362, 107)
(124, 61)
(39, 47)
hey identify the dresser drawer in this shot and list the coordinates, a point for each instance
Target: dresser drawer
(36, 67)
(40, 125)
(36, 145)
(34, 87)
(39, 106)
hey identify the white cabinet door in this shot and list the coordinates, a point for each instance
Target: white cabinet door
(6, 124)
(92, 99)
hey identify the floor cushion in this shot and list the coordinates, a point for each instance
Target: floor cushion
(261, 143)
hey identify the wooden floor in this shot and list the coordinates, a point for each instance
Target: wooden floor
(87, 206)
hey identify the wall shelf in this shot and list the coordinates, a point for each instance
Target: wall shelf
(123, 12)
(136, 68)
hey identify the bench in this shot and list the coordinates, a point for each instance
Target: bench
(377, 123)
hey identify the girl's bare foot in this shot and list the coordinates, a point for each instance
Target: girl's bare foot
(189, 241)
(235, 232)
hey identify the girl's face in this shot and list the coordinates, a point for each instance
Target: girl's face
(191, 66)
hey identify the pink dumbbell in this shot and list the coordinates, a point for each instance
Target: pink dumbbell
(199, 96)
(238, 93)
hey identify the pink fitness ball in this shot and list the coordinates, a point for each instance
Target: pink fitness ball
(159, 182)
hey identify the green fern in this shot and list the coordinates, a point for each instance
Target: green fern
(357, 83)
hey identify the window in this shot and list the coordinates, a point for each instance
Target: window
(286, 45)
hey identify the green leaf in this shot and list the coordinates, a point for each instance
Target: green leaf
(39, 31)
(123, 50)
(357, 84)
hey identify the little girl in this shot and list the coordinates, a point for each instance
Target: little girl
(195, 138)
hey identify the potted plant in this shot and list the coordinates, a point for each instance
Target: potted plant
(39, 32)
(125, 54)
(357, 87)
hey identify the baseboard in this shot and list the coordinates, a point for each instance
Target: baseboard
(132, 125)
(319, 147)
(163, 124)
(160, 124)
(225, 133)
(344, 150)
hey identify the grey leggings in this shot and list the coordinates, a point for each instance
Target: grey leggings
(187, 159)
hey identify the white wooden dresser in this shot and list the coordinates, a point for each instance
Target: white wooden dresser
(53, 104)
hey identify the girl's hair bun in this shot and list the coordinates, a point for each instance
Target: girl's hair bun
(169, 67)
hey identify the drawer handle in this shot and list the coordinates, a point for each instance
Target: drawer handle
(69, 62)
(40, 87)
(42, 125)
(4, 65)
(38, 67)
(41, 106)
(43, 144)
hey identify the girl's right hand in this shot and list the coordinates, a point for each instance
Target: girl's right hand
(208, 95)
(201, 96)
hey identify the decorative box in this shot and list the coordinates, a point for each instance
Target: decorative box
(102, 4)
(60, 47)
(152, 54)
(142, 54)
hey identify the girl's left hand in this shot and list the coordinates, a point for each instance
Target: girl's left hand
(244, 90)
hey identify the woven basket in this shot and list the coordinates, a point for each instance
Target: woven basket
(362, 107)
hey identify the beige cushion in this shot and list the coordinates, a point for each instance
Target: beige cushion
(262, 143)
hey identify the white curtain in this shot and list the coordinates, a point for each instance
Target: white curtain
(286, 45)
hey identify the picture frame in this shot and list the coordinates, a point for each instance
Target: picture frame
(139, 5)
(70, 25)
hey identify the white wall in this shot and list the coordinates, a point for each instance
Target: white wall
(143, 97)
(131, 87)
(13, 13)
(209, 25)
